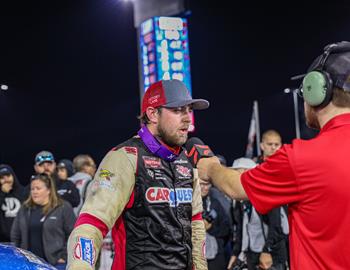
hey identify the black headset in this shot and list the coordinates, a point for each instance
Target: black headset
(317, 85)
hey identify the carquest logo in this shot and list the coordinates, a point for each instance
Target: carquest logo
(84, 250)
(170, 196)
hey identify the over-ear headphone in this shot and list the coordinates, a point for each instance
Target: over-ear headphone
(317, 85)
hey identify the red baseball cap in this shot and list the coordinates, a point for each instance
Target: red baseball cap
(170, 94)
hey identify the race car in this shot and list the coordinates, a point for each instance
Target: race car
(13, 258)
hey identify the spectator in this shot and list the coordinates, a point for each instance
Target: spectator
(262, 237)
(66, 188)
(45, 163)
(220, 196)
(217, 226)
(270, 143)
(237, 217)
(44, 222)
(12, 194)
(85, 168)
(226, 203)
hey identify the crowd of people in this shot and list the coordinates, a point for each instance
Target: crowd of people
(239, 236)
(47, 209)
(156, 200)
(39, 217)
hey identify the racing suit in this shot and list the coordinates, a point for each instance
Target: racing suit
(153, 208)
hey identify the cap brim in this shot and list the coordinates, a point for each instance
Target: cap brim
(5, 171)
(45, 160)
(198, 104)
(298, 77)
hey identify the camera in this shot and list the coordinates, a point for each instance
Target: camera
(239, 265)
(210, 216)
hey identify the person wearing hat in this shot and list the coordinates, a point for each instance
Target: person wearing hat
(261, 236)
(12, 194)
(44, 162)
(146, 191)
(311, 176)
(237, 210)
(66, 188)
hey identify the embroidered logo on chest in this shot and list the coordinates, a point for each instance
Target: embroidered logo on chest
(184, 171)
(170, 196)
(152, 162)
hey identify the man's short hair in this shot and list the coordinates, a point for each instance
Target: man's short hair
(144, 118)
(80, 161)
(341, 98)
(270, 132)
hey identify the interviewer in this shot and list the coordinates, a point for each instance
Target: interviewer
(313, 176)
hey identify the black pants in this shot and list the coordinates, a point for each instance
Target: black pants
(218, 263)
(253, 262)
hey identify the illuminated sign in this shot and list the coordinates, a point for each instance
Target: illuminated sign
(164, 51)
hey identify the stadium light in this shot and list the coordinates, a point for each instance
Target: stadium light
(4, 87)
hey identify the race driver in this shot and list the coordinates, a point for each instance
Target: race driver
(147, 193)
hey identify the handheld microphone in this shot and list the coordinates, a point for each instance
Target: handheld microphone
(196, 149)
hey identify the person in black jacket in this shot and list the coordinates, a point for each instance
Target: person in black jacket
(66, 188)
(12, 194)
(217, 225)
(236, 212)
(44, 222)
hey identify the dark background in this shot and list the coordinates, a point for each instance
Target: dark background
(72, 71)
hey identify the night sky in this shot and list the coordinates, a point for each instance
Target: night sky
(72, 71)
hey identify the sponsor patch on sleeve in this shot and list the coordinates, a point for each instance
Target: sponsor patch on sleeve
(84, 250)
(131, 150)
(106, 174)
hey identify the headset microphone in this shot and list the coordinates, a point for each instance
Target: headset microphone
(196, 149)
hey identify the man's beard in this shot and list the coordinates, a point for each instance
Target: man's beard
(310, 117)
(171, 140)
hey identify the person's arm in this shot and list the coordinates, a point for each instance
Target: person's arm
(274, 236)
(237, 231)
(220, 225)
(238, 223)
(225, 179)
(74, 196)
(109, 195)
(198, 230)
(15, 229)
(69, 219)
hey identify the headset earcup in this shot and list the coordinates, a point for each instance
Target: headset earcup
(315, 87)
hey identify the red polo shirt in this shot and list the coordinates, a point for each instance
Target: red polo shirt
(313, 178)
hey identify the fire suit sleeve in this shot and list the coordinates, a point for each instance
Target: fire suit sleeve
(198, 230)
(107, 197)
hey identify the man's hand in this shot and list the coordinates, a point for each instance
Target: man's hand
(207, 225)
(232, 262)
(6, 186)
(204, 165)
(265, 260)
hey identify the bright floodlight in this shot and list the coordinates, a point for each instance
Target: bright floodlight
(4, 87)
(287, 90)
